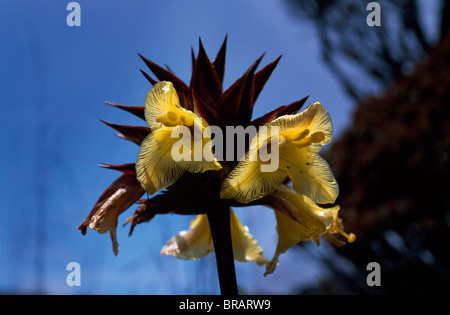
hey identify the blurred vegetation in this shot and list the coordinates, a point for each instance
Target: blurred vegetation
(392, 162)
(366, 59)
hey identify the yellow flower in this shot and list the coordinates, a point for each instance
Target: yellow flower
(300, 219)
(299, 139)
(197, 242)
(156, 167)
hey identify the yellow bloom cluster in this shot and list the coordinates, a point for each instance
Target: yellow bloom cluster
(299, 140)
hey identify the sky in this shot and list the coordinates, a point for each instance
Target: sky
(54, 82)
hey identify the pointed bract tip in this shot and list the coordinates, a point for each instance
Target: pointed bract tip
(200, 44)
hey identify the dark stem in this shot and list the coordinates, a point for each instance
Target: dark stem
(219, 222)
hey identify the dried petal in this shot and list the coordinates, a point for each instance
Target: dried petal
(117, 198)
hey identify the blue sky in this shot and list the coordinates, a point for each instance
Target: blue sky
(54, 82)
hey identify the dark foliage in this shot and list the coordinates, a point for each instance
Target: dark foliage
(367, 59)
(392, 165)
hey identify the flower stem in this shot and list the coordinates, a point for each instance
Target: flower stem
(219, 223)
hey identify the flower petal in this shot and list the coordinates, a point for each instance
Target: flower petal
(298, 219)
(197, 242)
(200, 157)
(310, 174)
(247, 181)
(315, 118)
(161, 99)
(245, 247)
(313, 218)
(192, 244)
(155, 168)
